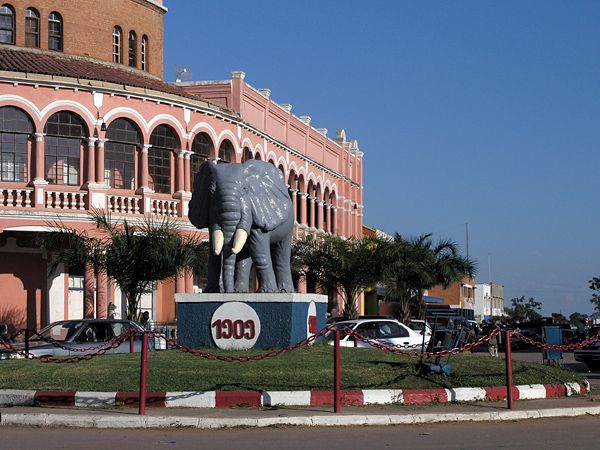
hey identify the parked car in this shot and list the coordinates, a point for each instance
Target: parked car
(420, 326)
(590, 356)
(385, 330)
(72, 335)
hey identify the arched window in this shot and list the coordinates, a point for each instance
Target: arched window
(300, 199)
(32, 28)
(226, 152)
(163, 140)
(117, 33)
(144, 53)
(247, 154)
(309, 200)
(132, 49)
(202, 148)
(332, 224)
(55, 32)
(62, 147)
(325, 210)
(15, 129)
(119, 154)
(7, 24)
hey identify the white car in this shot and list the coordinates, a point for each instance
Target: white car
(418, 326)
(389, 331)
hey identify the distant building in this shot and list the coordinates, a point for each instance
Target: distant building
(489, 301)
(459, 295)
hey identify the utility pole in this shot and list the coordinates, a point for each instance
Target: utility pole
(467, 235)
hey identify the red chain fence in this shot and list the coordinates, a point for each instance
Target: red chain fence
(404, 350)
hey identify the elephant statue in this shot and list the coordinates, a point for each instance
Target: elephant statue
(249, 215)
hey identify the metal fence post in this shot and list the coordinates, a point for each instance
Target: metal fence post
(27, 338)
(337, 397)
(143, 371)
(508, 360)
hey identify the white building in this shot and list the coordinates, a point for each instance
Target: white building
(489, 301)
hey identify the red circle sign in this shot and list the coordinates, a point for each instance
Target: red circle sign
(234, 326)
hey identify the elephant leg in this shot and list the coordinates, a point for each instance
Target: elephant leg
(282, 254)
(260, 250)
(214, 273)
(242, 271)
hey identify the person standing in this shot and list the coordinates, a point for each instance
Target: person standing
(145, 320)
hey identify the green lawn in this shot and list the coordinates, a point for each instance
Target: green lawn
(303, 369)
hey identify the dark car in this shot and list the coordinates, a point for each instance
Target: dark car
(590, 356)
(78, 337)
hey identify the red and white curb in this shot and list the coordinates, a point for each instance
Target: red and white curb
(225, 399)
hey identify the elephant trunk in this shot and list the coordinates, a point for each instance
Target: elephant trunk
(228, 221)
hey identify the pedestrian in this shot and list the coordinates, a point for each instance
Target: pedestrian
(112, 311)
(582, 330)
(145, 320)
(493, 342)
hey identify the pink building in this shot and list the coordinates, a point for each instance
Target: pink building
(89, 123)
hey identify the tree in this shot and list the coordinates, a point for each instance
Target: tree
(412, 266)
(523, 310)
(595, 287)
(559, 318)
(134, 255)
(346, 266)
(576, 318)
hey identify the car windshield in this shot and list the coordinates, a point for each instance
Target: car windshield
(338, 326)
(342, 325)
(417, 326)
(62, 331)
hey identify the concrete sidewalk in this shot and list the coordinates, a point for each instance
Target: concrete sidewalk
(213, 418)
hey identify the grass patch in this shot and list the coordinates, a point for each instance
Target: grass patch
(303, 369)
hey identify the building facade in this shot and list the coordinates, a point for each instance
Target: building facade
(489, 301)
(87, 122)
(459, 295)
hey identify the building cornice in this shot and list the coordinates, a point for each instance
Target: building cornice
(145, 94)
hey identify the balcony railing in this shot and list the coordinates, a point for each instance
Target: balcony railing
(164, 207)
(66, 200)
(123, 204)
(54, 199)
(17, 198)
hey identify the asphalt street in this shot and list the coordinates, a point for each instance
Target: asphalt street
(573, 433)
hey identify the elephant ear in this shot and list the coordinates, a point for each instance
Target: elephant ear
(268, 194)
(204, 188)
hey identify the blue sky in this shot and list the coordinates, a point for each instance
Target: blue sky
(478, 112)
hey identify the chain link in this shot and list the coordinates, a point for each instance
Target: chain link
(384, 346)
(401, 349)
(569, 347)
(114, 343)
(171, 343)
(84, 349)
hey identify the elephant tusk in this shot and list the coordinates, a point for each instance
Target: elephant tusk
(218, 241)
(239, 239)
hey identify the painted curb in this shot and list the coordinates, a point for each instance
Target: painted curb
(257, 399)
(147, 422)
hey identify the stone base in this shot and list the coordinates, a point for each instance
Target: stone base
(242, 321)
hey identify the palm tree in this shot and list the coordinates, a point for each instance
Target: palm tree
(412, 266)
(346, 266)
(134, 255)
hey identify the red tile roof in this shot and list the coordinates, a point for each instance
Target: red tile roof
(13, 59)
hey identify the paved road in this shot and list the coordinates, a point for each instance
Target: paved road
(552, 434)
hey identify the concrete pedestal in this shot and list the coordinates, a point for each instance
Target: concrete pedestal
(242, 321)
